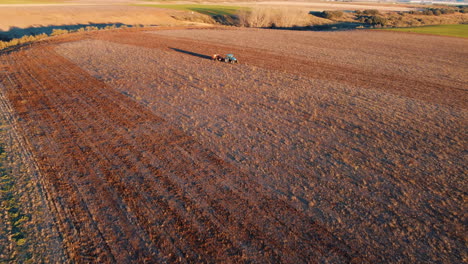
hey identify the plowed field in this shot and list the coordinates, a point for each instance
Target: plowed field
(344, 147)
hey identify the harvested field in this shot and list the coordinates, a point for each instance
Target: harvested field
(322, 5)
(18, 20)
(343, 147)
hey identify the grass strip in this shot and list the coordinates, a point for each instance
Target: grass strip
(10, 208)
(460, 30)
(210, 10)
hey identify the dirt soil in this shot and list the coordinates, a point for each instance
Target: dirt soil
(337, 147)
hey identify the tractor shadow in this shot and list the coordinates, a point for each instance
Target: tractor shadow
(192, 53)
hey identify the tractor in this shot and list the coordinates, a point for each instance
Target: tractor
(229, 58)
(217, 57)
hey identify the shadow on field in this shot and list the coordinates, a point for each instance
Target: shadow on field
(16, 32)
(340, 26)
(192, 53)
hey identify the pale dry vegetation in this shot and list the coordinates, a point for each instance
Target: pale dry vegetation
(274, 17)
(22, 40)
(194, 17)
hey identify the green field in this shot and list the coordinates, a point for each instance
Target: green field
(443, 30)
(210, 10)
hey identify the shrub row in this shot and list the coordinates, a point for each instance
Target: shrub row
(55, 32)
(440, 11)
(332, 14)
(22, 40)
(373, 20)
(367, 12)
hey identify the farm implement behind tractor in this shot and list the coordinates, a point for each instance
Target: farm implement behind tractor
(229, 58)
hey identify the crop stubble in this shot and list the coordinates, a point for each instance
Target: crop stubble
(152, 154)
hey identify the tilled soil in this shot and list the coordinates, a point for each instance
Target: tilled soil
(150, 152)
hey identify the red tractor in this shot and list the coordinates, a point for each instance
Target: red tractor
(217, 57)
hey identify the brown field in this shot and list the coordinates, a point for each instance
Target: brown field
(17, 20)
(31, 19)
(319, 147)
(26, 16)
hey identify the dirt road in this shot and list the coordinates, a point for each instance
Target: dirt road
(150, 152)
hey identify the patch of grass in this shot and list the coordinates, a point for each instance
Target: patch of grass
(9, 204)
(210, 10)
(460, 30)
